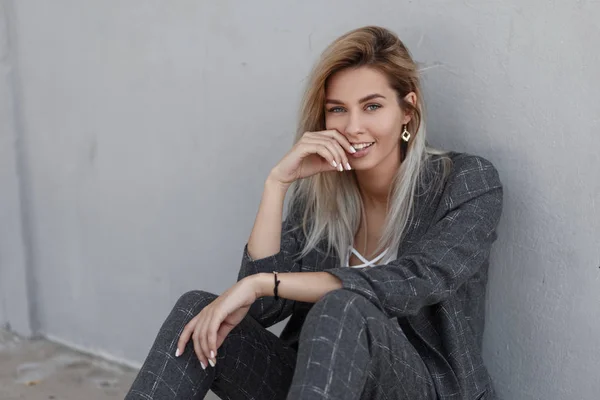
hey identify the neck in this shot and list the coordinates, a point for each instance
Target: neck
(375, 183)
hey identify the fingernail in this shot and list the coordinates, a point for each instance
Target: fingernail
(202, 365)
(340, 168)
(348, 167)
(352, 150)
(177, 353)
(211, 362)
(212, 354)
(334, 164)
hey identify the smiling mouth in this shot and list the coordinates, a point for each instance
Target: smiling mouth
(362, 146)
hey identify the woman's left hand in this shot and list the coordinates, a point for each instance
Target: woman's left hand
(211, 326)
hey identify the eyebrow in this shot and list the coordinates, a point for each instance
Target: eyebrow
(366, 98)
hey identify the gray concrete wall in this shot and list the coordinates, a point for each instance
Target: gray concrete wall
(15, 309)
(149, 128)
(6, 131)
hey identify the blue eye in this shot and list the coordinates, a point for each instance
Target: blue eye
(373, 107)
(335, 109)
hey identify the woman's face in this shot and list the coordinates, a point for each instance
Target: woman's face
(362, 106)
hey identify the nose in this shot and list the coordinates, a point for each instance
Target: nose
(353, 124)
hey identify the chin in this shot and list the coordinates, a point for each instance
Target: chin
(363, 165)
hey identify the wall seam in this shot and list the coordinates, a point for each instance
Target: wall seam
(22, 170)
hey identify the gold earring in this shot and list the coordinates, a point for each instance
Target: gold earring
(405, 134)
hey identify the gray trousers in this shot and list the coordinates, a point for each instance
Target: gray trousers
(348, 349)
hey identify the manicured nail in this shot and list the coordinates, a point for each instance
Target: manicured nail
(177, 354)
(212, 354)
(352, 150)
(202, 365)
(340, 167)
(334, 164)
(211, 362)
(348, 167)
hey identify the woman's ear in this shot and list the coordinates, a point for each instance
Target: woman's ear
(412, 99)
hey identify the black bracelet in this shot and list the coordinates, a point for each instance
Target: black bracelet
(276, 284)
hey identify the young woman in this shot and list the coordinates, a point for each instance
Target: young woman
(381, 263)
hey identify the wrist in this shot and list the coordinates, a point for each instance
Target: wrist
(262, 284)
(272, 183)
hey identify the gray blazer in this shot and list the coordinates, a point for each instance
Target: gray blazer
(435, 288)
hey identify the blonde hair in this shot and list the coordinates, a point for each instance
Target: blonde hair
(330, 204)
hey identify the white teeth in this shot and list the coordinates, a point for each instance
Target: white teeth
(360, 146)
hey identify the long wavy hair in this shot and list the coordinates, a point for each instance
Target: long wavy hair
(330, 204)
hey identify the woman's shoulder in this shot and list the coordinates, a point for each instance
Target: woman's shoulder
(468, 162)
(470, 175)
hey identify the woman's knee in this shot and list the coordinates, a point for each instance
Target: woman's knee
(356, 313)
(339, 306)
(194, 300)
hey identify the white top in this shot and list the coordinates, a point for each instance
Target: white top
(365, 262)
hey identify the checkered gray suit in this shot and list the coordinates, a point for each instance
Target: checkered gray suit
(410, 329)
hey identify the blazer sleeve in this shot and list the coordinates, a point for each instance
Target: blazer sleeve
(266, 310)
(450, 252)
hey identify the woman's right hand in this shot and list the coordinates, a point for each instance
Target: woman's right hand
(315, 152)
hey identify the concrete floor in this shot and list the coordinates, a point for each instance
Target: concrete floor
(42, 370)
